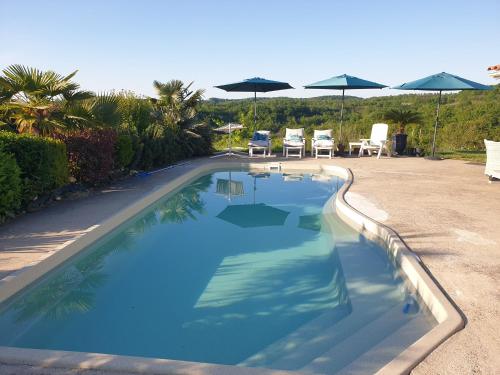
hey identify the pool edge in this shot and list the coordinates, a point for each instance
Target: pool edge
(448, 317)
(439, 303)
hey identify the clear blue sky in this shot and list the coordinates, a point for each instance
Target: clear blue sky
(128, 44)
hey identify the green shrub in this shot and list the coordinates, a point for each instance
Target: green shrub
(124, 151)
(43, 162)
(10, 186)
(202, 146)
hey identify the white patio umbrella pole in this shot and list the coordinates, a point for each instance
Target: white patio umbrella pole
(436, 126)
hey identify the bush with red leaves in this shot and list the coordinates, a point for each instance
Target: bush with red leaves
(91, 155)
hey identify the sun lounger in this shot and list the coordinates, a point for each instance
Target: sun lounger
(377, 141)
(322, 140)
(492, 159)
(294, 140)
(261, 140)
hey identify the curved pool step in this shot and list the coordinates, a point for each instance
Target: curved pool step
(351, 350)
(293, 345)
(305, 348)
(382, 353)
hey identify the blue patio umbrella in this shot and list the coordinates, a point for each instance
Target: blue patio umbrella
(441, 82)
(255, 85)
(344, 82)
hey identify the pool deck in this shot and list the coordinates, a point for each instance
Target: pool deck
(446, 211)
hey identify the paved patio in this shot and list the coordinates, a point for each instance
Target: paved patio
(446, 211)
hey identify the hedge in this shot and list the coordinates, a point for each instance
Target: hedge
(91, 155)
(43, 163)
(174, 145)
(10, 186)
(124, 151)
(32, 166)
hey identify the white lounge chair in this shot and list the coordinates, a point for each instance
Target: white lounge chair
(492, 159)
(261, 140)
(322, 140)
(294, 140)
(377, 141)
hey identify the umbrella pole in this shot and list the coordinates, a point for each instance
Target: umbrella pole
(436, 126)
(230, 145)
(254, 110)
(254, 188)
(341, 116)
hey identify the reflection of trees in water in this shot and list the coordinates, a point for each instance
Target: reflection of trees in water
(69, 291)
(72, 289)
(184, 204)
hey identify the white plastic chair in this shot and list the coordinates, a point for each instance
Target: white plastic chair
(376, 142)
(492, 159)
(322, 144)
(290, 143)
(261, 140)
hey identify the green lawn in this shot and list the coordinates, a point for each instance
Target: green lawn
(475, 156)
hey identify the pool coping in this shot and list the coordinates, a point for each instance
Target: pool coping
(448, 318)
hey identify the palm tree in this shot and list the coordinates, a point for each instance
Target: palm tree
(403, 117)
(100, 111)
(176, 106)
(37, 102)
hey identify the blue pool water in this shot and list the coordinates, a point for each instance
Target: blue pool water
(238, 268)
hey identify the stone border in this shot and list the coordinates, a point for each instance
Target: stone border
(448, 318)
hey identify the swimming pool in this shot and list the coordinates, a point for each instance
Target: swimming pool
(236, 267)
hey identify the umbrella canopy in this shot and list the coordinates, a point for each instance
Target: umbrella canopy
(253, 215)
(229, 128)
(441, 82)
(344, 82)
(255, 85)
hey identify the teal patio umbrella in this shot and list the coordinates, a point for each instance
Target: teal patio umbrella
(441, 82)
(255, 85)
(344, 82)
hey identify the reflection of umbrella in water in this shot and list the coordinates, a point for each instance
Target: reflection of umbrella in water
(310, 222)
(253, 215)
(229, 188)
(255, 176)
